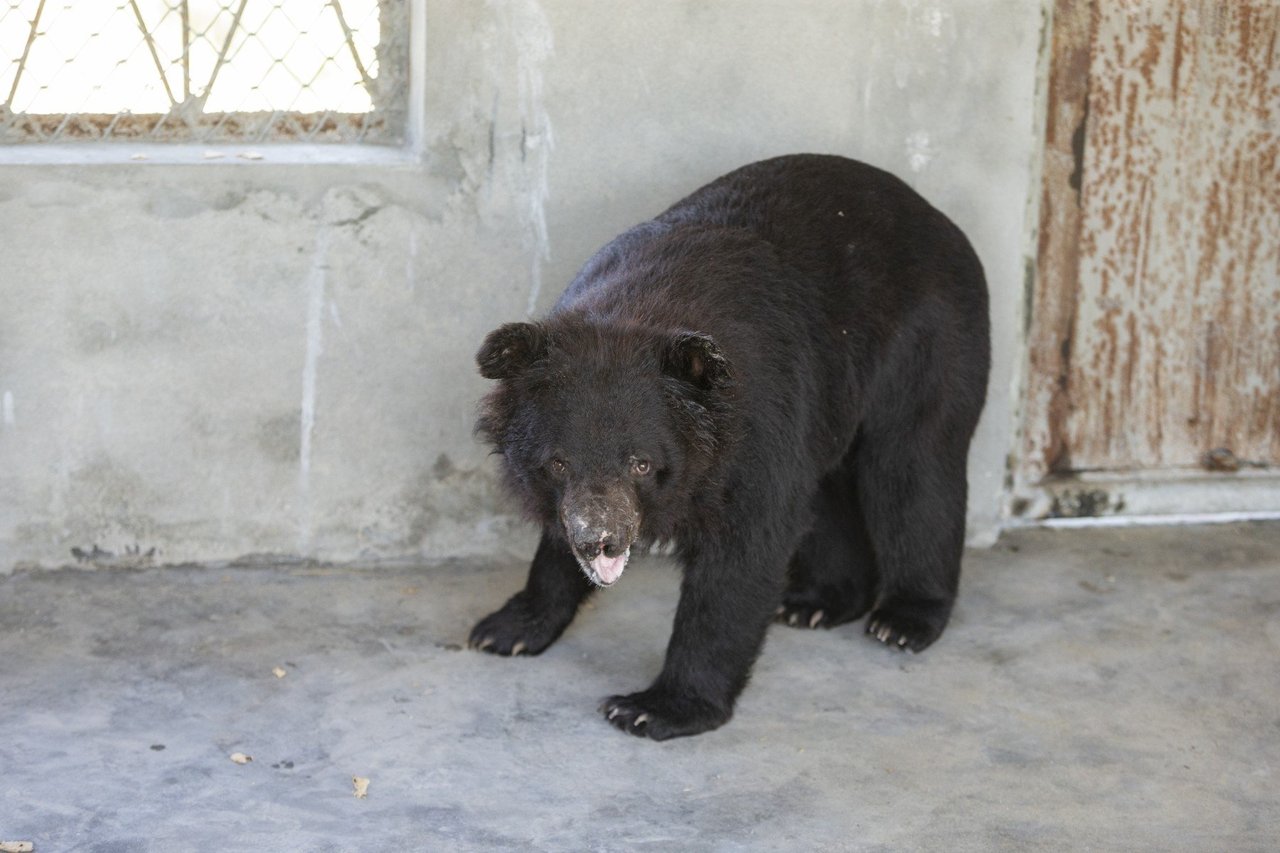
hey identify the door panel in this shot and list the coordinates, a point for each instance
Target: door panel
(1155, 325)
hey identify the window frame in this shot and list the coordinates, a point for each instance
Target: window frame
(122, 152)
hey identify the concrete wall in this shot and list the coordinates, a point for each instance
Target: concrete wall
(219, 358)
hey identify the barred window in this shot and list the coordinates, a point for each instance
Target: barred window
(207, 71)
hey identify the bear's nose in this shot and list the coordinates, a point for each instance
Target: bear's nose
(609, 544)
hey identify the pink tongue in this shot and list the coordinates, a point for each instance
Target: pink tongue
(608, 569)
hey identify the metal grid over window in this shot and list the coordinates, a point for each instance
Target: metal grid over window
(207, 71)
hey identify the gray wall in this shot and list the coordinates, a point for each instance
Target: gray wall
(229, 357)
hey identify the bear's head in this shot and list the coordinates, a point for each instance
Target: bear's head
(606, 431)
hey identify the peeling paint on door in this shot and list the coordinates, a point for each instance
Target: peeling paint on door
(1156, 315)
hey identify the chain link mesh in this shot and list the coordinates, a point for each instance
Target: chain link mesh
(211, 71)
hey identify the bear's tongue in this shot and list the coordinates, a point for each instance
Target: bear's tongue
(609, 569)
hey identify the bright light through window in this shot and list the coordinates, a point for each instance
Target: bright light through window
(207, 70)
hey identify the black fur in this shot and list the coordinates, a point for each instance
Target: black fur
(781, 374)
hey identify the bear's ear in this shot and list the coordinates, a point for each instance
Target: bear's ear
(697, 359)
(510, 349)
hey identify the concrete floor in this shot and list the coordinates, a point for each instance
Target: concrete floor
(1106, 689)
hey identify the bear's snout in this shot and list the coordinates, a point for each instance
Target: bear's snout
(601, 526)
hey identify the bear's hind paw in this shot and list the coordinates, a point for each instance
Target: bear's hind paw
(801, 616)
(910, 627)
(807, 611)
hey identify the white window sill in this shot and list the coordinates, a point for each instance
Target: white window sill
(119, 153)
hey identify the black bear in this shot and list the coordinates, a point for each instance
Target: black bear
(780, 375)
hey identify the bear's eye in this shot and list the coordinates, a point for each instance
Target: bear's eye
(641, 467)
(558, 466)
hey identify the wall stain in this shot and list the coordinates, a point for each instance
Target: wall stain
(131, 557)
(1085, 503)
(278, 437)
(443, 467)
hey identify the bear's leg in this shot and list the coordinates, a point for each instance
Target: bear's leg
(832, 577)
(539, 613)
(912, 488)
(726, 605)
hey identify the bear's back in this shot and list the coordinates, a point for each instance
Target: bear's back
(853, 233)
(828, 216)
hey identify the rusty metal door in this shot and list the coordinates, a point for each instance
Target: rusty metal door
(1154, 331)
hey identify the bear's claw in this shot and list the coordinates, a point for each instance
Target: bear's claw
(803, 616)
(800, 616)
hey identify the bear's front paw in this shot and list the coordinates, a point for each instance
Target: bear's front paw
(517, 629)
(659, 714)
(908, 625)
